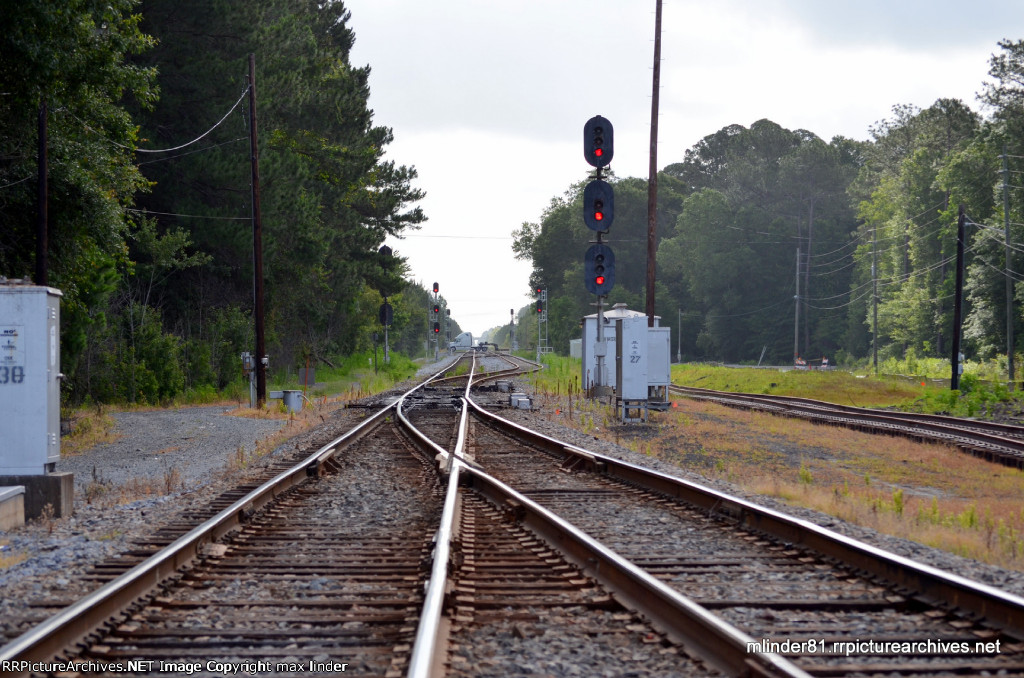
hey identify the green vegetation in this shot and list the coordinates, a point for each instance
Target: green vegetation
(837, 386)
(154, 256)
(746, 203)
(355, 375)
(560, 375)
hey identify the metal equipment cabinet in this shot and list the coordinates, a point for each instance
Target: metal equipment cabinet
(29, 378)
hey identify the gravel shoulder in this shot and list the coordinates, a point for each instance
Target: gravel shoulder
(186, 445)
(49, 560)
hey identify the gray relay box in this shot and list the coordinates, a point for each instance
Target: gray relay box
(29, 378)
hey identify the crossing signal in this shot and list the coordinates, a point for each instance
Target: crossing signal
(599, 269)
(598, 205)
(598, 141)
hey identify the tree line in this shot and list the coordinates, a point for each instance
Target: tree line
(153, 251)
(775, 242)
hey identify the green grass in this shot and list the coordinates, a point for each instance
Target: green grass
(834, 386)
(355, 374)
(560, 375)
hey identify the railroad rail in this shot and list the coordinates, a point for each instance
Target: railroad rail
(511, 557)
(769, 575)
(993, 441)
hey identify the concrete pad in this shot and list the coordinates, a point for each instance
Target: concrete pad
(55, 489)
(12, 507)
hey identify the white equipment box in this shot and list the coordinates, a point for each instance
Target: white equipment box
(29, 378)
(631, 348)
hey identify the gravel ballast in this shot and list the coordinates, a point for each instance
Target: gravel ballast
(47, 560)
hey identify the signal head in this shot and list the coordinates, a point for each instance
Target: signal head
(435, 288)
(598, 205)
(598, 141)
(599, 269)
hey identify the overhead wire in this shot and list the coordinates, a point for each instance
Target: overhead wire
(174, 148)
(15, 183)
(197, 139)
(198, 150)
(186, 216)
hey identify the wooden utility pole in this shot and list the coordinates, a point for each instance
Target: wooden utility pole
(257, 242)
(874, 300)
(42, 220)
(796, 317)
(954, 380)
(652, 174)
(1008, 272)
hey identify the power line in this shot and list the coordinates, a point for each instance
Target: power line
(15, 183)
(198, 138)
(186, 216)
(198, 150)
(165, 150)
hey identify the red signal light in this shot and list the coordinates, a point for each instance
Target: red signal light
(599, 152)
(599, 280)
(599, 216)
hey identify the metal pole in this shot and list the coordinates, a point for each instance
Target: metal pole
(42, 223)
(954, 381)
(539, 318)
(387, 353)
(652, 174)
(599, 350)
(257, 241)
(1009, 274)
(679, 338)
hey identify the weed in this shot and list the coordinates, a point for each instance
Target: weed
(172, 480)
(805, 475)
(47, 516)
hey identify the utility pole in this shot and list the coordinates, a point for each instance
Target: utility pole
(257, 242)
(1008, 272)
(954, 380)
(652, 174)
(874, 299)
(796, 321)
(679, 338)
(42, 223)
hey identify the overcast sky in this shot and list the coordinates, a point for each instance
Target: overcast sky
(488, 99)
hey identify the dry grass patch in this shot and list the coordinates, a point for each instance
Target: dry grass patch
(89, 428)
(930, 493)
(7, 557)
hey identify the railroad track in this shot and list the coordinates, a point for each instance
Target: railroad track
(992, 441)
(758, 575)
(478, 578)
